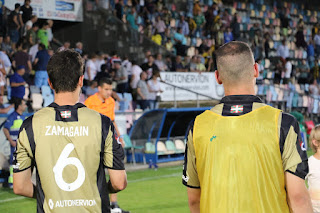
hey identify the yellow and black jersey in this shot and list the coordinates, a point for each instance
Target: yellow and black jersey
(238, 152)
(70, 146)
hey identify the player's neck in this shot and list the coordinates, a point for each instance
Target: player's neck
(239, 90)
(66, 98)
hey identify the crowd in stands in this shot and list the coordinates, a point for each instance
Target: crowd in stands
(285, 39)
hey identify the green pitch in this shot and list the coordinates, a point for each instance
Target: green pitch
(148, 191)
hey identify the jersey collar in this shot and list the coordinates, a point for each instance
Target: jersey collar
(76, 106)
(240, 98)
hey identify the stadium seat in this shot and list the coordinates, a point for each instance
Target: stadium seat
(47, 96)
(36, 101)
(129, 145)
(162, 150)
(180, 145)
(150, 147)
(34, 89)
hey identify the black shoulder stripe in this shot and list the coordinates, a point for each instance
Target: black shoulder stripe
(27, 125)
(286, 122)
(105, 124)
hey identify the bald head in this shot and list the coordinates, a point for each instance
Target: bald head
(235, 63)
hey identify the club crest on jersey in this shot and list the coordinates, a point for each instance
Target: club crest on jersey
(236, 109)
(65, 114)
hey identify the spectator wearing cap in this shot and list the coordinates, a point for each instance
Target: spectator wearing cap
(17, 83)
(43, 35)
(14, 24)
(22, 58)
(41, 62)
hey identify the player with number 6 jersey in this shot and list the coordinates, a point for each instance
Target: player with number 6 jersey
(70, 146)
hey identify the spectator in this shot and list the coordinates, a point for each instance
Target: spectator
(156, 38)
(304, 73)
(196, 8)
(7, 46)
(200, 22)
(200, 66)
(2, 78)
(26, 11)
(121, 77)
(150, 66)
(226, 19)
(100, 60)
(136, 71)
(11, 131)
(310, 54)
(160, 63)
(192, 26)
(22, 58)
(283, 50)
(317, 43)
(259, 79)
(79, 47)
(131, 18)
(168, 62)
(154, 90)
(32, 34)
(66, 46)
(119, 9)
(14, 25)
(127, 65)
(181, 42)
(300, 41)
(183, 25)
(17, 83)
(235, 27)
(160, 26)
(288, 71)
(33, 51)
(93, 88)
(228, 36)
(41, 62)
(50, 34)
(43, 34)
(142, 91)
(30, 23)
(266, 45)
(6, 60)
(90, 69)
(177, 65)
(193, 64)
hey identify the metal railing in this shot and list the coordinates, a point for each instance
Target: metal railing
(188, 90)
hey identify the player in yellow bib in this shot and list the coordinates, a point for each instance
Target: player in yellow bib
(243, 156)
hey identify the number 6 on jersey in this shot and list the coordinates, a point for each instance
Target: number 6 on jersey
(62, 162)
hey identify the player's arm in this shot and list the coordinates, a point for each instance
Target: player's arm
(295, 165)
(297, 194)
(190, 175)
(22, 184)
(113, 159)
(23, 161)
(194, 200)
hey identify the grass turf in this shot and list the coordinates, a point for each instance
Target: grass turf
(148, 191)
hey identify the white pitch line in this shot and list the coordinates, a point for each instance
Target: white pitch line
(12, 199)
(155, 178)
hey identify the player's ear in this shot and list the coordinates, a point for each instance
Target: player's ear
(216, 73)
(256, 70)
(50, 84)
(80, 83)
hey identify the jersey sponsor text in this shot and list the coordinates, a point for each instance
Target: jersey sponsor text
(67, 131)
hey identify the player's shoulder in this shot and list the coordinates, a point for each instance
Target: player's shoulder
(288, 120)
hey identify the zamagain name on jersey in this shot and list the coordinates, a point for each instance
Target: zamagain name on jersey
(67, 131)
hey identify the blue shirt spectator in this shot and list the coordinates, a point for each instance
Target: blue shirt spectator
(228, 36)
(178, 36)
(17, 83)
(310, 50)
(42, 59)
(184, 26)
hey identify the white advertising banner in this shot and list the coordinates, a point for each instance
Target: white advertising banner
(204, 83)
(66, 10)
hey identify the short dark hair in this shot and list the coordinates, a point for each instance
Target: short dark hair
(16, 6)
(64, 70)
(17, 102)
(233, 48)
(104, 81)
(42, 46)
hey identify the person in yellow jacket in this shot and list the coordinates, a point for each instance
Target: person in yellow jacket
(243, 156)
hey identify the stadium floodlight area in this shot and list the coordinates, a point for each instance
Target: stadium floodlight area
(157, 131)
